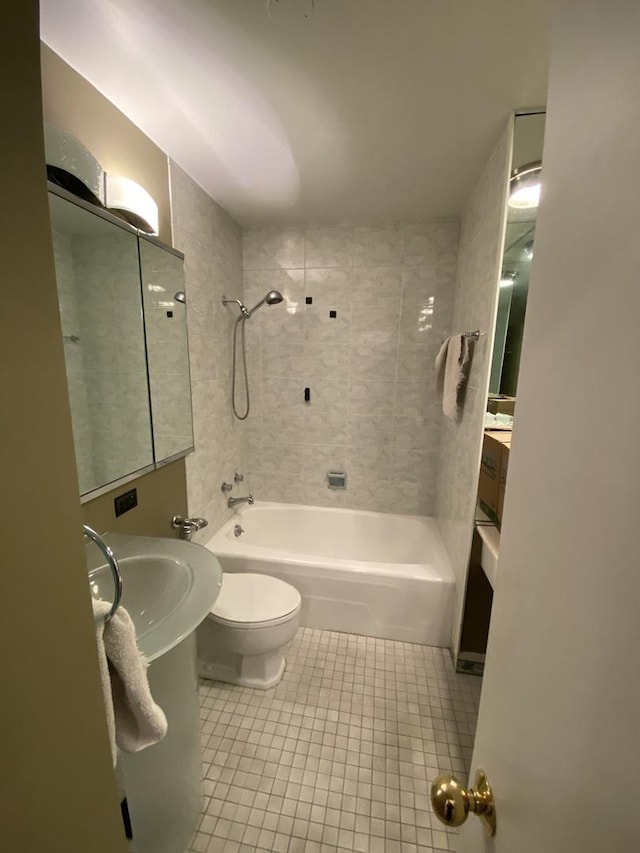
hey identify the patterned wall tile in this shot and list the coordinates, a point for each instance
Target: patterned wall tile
(212, 244)
(369, 367)
(480, 250)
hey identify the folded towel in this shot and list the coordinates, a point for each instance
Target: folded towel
(133, 718)
(452, 371)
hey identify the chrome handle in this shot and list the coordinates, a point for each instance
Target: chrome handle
(238, 478)
(452, 802)
(110, 557)
(226, 487)
(188, 526)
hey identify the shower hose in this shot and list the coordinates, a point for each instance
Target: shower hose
(240, 321)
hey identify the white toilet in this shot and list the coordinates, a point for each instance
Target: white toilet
(241, 639)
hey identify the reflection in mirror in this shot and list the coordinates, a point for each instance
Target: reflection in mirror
(167, 351)
(516, 264)
(101, 312)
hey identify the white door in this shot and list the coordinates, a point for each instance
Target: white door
(559, 725)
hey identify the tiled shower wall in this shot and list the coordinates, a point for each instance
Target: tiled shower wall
(364, 313)
(212, 244)
(479, 265)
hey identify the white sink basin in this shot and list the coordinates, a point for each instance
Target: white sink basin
(168, 586)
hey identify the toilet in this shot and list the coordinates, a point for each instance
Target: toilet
(241, 639)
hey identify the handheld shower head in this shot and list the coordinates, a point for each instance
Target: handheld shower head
(272, 298)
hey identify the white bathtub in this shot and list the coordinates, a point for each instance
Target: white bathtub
(365, 573)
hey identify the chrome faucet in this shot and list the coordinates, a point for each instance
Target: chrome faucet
(231, 502)
(188, 526)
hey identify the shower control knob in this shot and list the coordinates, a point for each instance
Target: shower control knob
(226, 487)
(238, 478)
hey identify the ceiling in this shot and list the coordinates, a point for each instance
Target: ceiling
(367, 111)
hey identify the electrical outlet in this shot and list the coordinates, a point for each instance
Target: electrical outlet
(123, 503)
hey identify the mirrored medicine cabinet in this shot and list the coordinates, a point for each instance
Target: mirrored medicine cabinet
(125, 344)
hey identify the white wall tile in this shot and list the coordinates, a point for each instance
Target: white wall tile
(371, 397)
(474, 308)
(212, 244)
(331, 287)
(329, 247)
(369, 368)
(281, 248)
(378, 246)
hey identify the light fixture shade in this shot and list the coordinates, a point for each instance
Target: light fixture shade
(72, 166)
(132, 202)
(524, 186)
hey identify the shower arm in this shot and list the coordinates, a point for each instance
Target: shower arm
(243, 310)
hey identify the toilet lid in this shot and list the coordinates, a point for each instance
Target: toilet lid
(249, 597)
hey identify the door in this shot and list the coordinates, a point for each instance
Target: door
(559, 725)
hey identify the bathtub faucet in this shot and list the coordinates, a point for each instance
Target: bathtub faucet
(231, 502)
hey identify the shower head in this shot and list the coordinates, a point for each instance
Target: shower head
(181, 296)
(272, 298)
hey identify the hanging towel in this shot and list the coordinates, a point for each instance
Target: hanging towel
(452, 371)
(133, 718)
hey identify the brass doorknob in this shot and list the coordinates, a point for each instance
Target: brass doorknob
(452, 803)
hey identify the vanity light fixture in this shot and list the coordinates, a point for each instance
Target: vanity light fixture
(524, 186)
(132, 203)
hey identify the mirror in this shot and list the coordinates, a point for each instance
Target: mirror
(102, 327)
(516, 265)
(125, 343)
(166, 328)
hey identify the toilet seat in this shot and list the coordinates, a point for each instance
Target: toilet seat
(254, 600)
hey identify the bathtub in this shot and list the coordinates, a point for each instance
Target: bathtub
(367, 573)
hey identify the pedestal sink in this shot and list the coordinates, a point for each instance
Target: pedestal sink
(168, 588)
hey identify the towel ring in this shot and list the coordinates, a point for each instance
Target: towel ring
(113, 565)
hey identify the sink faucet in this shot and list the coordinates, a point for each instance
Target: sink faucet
(188, 526)
(231, 502)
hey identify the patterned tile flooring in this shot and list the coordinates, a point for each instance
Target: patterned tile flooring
(340, 755)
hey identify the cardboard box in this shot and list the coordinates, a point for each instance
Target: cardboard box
(493, 447)
(500, 404)
(502, 479)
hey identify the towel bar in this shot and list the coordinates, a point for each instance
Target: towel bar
(475, 335)
(113, 565)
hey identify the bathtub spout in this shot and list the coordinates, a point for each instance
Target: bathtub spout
(234, 501)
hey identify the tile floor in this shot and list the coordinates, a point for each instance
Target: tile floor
(340, 755)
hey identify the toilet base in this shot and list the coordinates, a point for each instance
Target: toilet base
(258, 671)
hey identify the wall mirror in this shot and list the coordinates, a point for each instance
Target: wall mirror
(125, 344)
(516, 264)
(165, 317)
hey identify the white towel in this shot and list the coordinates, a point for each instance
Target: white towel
(133, 718)
(452, 371)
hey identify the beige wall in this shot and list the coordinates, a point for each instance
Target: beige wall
(161, 495)
(57, 787)
(71, 103)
